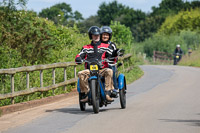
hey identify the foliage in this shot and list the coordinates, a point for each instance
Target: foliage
(147, 28)
(87, 23)
(115, 11)
(133, 75)
(167, 7)
(29, 35)
(185, 20)
(167, 43)
(121, 34)
(12, 4)
(192, 60)
(61, 14)
(108, 12)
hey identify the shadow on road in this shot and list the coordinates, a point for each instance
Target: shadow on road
(191, 122)
(79, 112)
(71, 111)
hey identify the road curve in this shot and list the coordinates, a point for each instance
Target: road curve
(165, 100)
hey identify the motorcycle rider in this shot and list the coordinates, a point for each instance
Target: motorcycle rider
(95, 50)
(178, 51)
(106, 35)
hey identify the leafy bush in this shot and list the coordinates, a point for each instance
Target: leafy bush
(184, 20)
(121, 33)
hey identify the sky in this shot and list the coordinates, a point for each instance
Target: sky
(90, 7)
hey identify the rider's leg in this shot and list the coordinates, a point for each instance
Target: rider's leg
(114, 77)
(83, 81)
(108, 73)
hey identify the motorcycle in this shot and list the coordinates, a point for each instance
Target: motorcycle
(176, 58)
(97, 95)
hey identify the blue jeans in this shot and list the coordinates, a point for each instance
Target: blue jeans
(114, 76)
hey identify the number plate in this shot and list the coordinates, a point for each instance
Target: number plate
(177, 56)
(93, 67)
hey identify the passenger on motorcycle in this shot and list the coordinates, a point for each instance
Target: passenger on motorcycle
(95, 50)
(106, 35)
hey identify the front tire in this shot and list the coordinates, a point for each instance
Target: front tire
(122, 95)
(95, 96)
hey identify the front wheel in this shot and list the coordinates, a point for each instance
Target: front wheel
(122, 95)
(95, 95)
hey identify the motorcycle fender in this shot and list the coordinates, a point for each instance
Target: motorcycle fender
(78, 86)
(93, 77)
(121, 78)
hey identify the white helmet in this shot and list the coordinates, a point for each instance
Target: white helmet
(178, 46)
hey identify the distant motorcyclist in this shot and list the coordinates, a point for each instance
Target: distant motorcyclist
(95, 50)
(178, 52)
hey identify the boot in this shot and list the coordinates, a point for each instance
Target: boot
(84, 100)
(108, 98)
(114, 93)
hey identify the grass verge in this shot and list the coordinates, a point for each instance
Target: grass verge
(192, 60)
(133, 74)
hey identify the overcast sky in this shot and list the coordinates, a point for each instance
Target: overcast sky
(90, 7)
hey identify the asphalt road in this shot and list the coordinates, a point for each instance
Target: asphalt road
(165, 100)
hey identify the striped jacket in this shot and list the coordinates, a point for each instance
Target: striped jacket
(95, 51)
(113, 59)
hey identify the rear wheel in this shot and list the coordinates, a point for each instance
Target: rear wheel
(82, 104)
(95, 95)
(122, 95)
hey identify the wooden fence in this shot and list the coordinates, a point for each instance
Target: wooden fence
(41, 68)
(162, 56)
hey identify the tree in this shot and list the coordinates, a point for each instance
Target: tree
(146, 28)
(185, 20)
(167, 7)
(110, 11)
(131, 17)
(11, 4)
(121, 34)
(87, 23)
(61, 13)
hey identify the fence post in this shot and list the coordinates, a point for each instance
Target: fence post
(12, 88)
(53, 76)
(27, 83)
(3, 83)
(41, 81)
(154, 56)
(74, 71)
(75, 74)
(65, 78)
(123, 65)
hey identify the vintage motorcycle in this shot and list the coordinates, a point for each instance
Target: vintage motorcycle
(96, 95)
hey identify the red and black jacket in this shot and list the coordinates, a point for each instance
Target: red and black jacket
(95, 51)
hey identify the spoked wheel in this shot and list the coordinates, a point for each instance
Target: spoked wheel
(82, 104)
(122, 95)
(95, 95)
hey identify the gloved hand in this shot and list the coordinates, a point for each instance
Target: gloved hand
(79, 60)
(115, 53)
(120, 52)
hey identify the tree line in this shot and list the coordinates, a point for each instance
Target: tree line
(143, 25)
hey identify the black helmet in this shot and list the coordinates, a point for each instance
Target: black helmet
(106, 29)
(94, 30)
